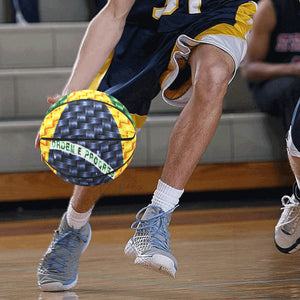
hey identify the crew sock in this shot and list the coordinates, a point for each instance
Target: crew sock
(165, 196)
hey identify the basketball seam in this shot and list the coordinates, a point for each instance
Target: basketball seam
(86, 140)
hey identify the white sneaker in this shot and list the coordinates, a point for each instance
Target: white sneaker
(287, 230)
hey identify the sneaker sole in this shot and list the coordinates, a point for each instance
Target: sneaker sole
(157, 262)
(289, 250)
(58, 286)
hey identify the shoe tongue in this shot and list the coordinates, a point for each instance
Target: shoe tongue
(151, 212)
(293, 200)
(64, 226)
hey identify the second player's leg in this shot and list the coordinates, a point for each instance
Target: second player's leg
(287, 229)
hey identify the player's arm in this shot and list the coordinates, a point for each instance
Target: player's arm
(101, 37)
(254, 67)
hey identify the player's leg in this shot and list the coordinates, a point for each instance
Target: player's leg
(212, 68)
(211, 71)
(278, 96)
(287, 230)
(58, 270)
(75, 220)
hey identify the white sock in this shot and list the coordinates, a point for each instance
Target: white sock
(165, 196)
(75, 219)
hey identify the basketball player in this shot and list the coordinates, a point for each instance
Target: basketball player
(272, 66)
(191, 51)
(272, 62)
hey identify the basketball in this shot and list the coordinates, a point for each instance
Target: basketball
(87, 138)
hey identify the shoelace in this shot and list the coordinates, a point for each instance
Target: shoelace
(156, 226)
(68, 241)
(290, 204)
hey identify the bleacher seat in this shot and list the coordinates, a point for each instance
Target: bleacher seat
(36, 61)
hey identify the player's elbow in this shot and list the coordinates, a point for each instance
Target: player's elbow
(118, 9)
(245, 69)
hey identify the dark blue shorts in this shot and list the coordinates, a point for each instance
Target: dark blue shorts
(153, 55)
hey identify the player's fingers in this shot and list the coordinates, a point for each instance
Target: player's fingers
(52, 99)
(37, 144)
(37, 140)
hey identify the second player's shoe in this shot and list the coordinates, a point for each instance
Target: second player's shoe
(287, 230)
(58, 270)
(150, 245)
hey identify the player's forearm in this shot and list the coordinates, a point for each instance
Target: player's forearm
(100, 39)
(263, 71)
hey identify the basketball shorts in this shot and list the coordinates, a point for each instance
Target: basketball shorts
(147, 61)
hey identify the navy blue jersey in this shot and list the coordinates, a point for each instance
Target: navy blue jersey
(174, 15)
(284, 46)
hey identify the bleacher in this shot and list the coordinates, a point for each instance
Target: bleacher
(247, 151)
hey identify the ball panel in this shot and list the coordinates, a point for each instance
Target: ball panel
(120, 107)
(128, 148)
(80, 95)
(53, 170)
(87, 181)
(90, 94)
(125, 126)
(86, 119)
(48, 129)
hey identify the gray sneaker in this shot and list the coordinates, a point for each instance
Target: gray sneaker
(58, 270)
(150, 243)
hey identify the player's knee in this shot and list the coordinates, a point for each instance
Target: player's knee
(211, 81)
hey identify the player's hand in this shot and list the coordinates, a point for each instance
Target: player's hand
(297, 68)
(51, 100)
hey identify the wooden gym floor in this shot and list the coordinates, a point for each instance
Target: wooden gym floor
(223, 253)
